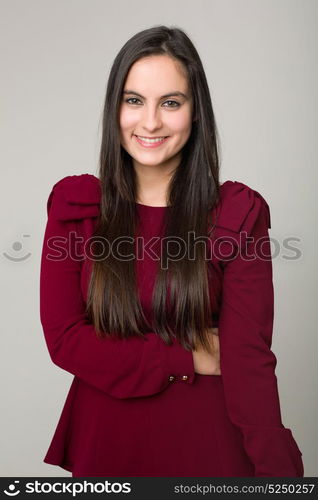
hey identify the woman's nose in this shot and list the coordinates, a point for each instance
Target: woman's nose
(151, 119)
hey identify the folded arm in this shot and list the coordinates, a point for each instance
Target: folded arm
(132, 367)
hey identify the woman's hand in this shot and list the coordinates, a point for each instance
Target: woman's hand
(204, 362)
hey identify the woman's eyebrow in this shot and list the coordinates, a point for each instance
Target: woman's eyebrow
(171, 94)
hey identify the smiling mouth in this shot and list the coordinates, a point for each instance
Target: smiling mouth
(152, 142)
(155, 137)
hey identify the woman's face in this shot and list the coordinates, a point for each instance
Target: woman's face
(144, 112)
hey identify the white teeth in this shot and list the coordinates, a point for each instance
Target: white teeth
(145, 139)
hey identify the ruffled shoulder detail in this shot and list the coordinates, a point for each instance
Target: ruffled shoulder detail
(75, 197)
(239, 207)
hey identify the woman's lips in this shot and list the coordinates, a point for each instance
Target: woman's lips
(150, 145)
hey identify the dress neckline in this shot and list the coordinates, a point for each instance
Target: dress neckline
(149, 206)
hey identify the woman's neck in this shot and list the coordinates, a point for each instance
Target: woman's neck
(152, 183)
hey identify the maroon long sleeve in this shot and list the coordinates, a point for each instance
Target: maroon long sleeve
(132, 367)
(245, 330)
(123, 387)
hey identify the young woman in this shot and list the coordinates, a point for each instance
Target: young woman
(156, 289)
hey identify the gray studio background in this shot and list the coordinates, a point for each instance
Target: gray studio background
(260, 59)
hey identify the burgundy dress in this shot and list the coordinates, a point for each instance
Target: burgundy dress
(136, 407)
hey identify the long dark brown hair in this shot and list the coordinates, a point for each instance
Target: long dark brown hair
(113, 304)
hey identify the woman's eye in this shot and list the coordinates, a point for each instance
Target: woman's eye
(131, 99)
(177, 104)
(136, 99)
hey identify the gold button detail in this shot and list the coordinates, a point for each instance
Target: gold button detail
(184, 377)
(171, 378)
